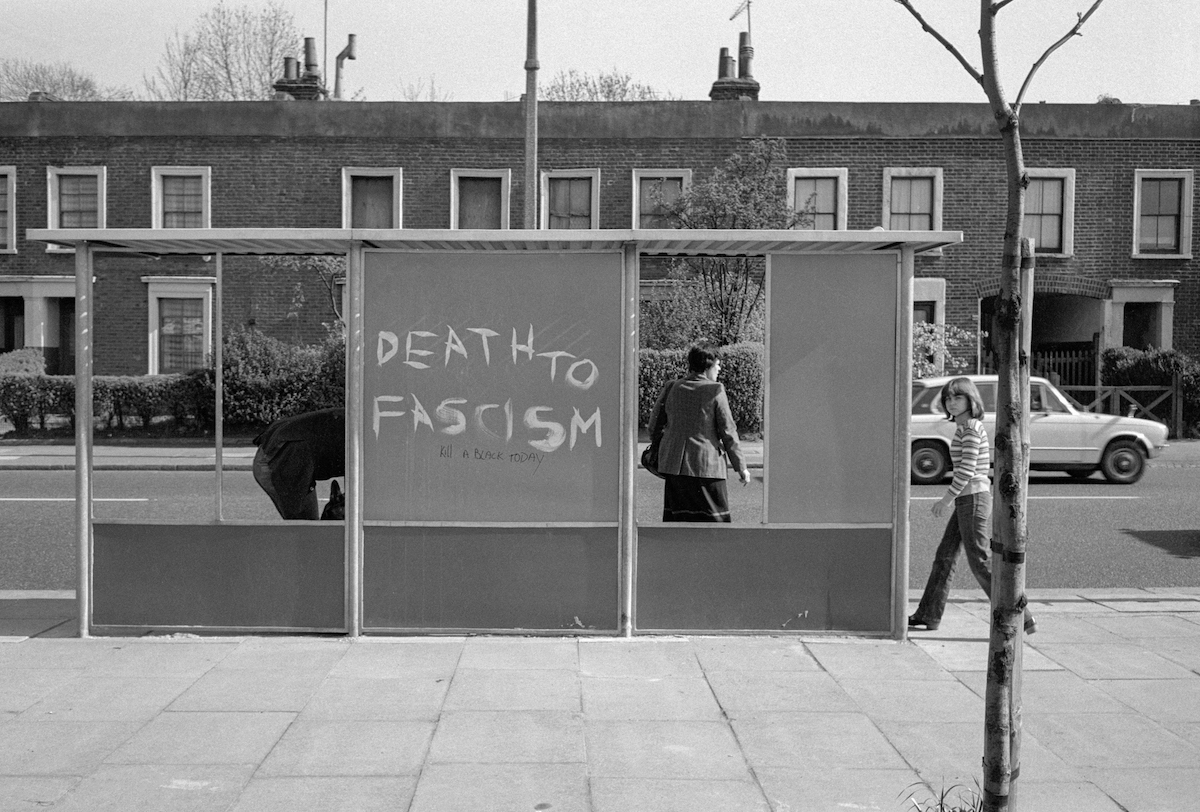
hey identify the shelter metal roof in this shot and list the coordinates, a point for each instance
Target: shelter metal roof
(292, 241)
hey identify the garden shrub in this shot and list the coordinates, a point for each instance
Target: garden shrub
(27, 361)
(741, 372)
(1125, 366)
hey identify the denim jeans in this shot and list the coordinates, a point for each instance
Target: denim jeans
(969, 528)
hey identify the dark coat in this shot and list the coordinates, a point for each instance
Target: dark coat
(693, 414)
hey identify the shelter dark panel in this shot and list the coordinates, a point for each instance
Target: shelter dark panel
(269, 577)
(561, 578)
(698, 578)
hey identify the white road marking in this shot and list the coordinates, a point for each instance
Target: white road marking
(61, 499)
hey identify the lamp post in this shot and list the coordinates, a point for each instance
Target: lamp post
(531, 69)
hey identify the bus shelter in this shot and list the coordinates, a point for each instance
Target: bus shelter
(491, 448)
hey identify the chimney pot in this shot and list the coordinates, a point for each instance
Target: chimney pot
(311, 66)
(725, 65)
(745, 56)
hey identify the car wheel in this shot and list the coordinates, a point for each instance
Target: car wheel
(930, 464)
(1123, 462)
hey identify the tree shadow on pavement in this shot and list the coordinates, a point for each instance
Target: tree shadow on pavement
(1179, 543)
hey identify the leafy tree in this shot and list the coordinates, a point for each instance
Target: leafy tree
(942, 349)
(20, 77)
(571, 85)
(1002, 702)
(746, 192)
(231, 54)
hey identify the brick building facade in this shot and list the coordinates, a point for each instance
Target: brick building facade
(1114, 200)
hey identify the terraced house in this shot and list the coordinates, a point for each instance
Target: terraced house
(1110, 203)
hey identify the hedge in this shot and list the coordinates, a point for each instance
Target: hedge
(741, 372)
(1125, 366)
(266, 379)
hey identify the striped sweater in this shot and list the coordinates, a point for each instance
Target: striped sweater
(971, 455)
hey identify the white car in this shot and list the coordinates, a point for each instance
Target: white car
(1061, 438)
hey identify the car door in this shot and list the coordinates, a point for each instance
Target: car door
(1055, 431)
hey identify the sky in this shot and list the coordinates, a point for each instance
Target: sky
(1140, 51)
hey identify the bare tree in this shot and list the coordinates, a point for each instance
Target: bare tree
(420, 91)
(20, 77)
(1002, 709)
(231, 54)
(607, 86)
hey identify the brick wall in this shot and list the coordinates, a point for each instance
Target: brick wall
(280, 166)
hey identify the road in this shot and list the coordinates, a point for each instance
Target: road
(1082, 534)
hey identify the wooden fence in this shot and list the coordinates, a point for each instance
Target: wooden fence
(1149, 402)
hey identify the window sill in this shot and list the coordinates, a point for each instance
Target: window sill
(1186, 256)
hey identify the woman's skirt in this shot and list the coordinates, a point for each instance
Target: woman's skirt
(695, 499)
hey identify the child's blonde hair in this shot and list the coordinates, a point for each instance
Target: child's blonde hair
(962, 386)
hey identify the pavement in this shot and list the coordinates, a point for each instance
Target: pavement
(1110, 706)
(1110, 695)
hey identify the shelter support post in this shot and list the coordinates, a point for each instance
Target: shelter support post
(83, 433)
(629, 427)
(219, 389)
(904, 326)
(354, 440)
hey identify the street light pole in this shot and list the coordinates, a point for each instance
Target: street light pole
(531, 91)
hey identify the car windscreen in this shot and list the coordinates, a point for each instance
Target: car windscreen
(925, 399)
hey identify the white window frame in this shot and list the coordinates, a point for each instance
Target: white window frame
(638, 174)
(591, 174)
(10, 189)
(1067, 176)
(1185, 211)
(505, 176)
(394, 172)
(53, 173)
(934, 172)
(157, 173)
(177, 287)
(839, 173)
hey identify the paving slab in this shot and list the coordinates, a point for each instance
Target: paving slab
(1149, 789)
(1184, 651)
(537, 653)
(638, 657)
(915, 700)
(350, 748)
(20, 688)
(93, 698)
(659, 749)
(753, 654)
(853, 789)
(1053, 692)
(748, 693)
(157, 788)
(282, 654)
(1160, 700)
(948, 753)
(1113, 661)
(389, 657)
(70, 748)
(876, 661)
(54, 654)
(675, 795)
(498, 737)
(1062, 628)
(15, 629)
(161, 657)
(1119, 740)
(502, 788)
(1063, 796)
(326, 794)
(408, 696)
(20, 793)
(494, 689)
(237, 689)
(203, 738)
(1141, 626)
(972, 655)
(816, 741)
(649, 698)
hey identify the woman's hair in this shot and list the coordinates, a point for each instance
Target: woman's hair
(701, 358)
(962, 386)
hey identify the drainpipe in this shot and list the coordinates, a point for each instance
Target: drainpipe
(531, 69)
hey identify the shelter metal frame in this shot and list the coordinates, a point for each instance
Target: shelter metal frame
(352, 243)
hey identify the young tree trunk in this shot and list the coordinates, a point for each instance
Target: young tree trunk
(1002, 702)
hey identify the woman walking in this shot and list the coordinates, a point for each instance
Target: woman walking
(692, 415)
(970, 498)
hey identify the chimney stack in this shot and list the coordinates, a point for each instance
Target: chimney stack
(742, 87)
(301, 86)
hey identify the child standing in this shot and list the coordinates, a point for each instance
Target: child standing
(970, 498)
